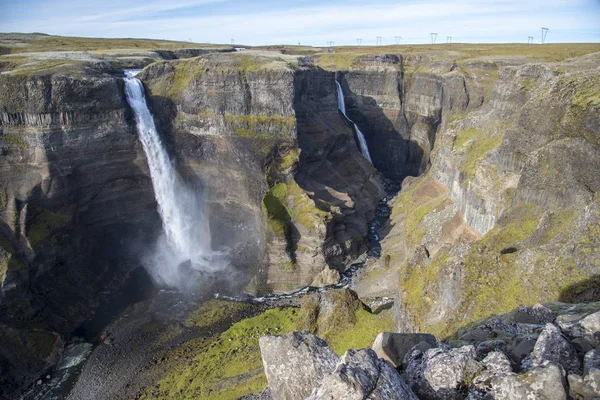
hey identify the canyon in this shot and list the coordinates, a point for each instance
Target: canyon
(496, 151)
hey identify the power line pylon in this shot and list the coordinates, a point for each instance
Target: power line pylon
(398, 38)
(544, 34)
(448, 39)
(359, 41)
(529, 39)
(433, 37)
(379, 41)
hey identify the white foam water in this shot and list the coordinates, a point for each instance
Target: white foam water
(361, 138)
(185, 247)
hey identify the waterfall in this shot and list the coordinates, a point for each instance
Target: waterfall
(361, 138)
(185, 246)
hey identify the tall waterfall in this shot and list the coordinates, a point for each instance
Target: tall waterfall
(361, 138)
(185, 247)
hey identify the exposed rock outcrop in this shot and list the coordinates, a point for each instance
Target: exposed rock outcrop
(301, 366)
(394, 347)
(492, 214)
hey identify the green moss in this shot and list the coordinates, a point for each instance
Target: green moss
(250, 64)
(42, 224)
(585, 92)
(362, 334)
(479, 146)
(14, 140)
(185, 72)
(274, 209)
(492, 279)
(3, 198)
(527, 85)
(289, 266)
(290, 158)
(339, 61)
(417, 282)
(464, 136)
(226, 367)
(213, 312)
(561, 222)
(303, 208)
(251, 126)
(415, 209)
(287, 203)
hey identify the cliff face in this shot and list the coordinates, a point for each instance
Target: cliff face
(507, 214)
(288, 190)
(75, 203)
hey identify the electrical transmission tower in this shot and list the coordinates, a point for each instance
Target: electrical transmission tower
(398, 38)
(448, 39)
(544, 34)
(331, 43)
(232, 41)
(433, 37)
(379, 41)
(359, 41)
(529, 39)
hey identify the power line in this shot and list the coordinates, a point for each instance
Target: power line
(433, 37)
(544, 34)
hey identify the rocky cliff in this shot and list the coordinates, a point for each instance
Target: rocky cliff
(287, 185)
(507, 212)
(76, 205)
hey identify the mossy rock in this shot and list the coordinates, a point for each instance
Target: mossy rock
(339, 317)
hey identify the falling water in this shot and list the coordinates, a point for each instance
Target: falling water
(185, 246)
(361, 138)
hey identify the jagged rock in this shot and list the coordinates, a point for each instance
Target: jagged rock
(476, 335)
(582, 345)
(327, 277)
(495, 364)
(521, 348)
(421, 346)
(361, 375)
(587, 388)
(295, 364)
(264, 395)
(552, 346)
(484, 348)
(393, 347)
(542, 383)
(591, 360)
(439, 373)
(537, 314)
(586, 326)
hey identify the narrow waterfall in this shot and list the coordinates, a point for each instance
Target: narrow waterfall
(185, 246)
(361, 138)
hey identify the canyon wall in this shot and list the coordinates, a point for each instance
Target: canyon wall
(507, 212)
(76, 206)
(287, 188)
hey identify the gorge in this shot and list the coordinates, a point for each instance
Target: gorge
(246, 174)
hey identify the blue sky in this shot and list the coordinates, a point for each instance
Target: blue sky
(310, 22)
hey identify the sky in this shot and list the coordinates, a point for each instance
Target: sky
(309, 22)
